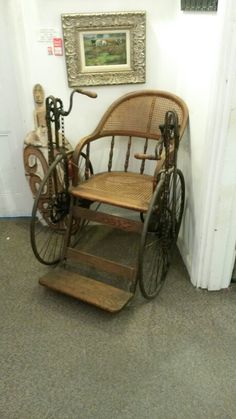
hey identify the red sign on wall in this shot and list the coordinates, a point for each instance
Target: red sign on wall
(57, 46)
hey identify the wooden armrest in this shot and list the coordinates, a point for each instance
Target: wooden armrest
(141, 156)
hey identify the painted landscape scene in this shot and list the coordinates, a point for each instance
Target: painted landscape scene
(104, 49)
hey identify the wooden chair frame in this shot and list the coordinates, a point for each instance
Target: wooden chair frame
(138, 115)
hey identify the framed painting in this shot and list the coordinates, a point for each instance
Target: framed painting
(104, 48)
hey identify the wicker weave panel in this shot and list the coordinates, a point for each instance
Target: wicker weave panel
(126, 190)
(141, 113)
(131, 115)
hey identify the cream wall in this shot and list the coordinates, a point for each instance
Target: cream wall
(182, 56)
(50, 71)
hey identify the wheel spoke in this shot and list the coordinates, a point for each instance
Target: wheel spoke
(160, 231)
(51, 213)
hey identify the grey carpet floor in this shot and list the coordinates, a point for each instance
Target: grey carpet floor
(173, 357)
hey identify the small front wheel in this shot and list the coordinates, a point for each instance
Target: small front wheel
(50, 213)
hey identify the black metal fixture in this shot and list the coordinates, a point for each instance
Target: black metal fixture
(199, 5)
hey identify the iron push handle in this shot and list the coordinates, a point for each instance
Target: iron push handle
(88, 93)
(93, 95)
(54, 111)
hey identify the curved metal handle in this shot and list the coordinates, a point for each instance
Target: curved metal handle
(82, 92)
(93, 95)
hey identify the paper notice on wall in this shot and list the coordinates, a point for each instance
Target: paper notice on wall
(46, 35)
(50, 37)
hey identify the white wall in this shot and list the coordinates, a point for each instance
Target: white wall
(15, 197)
(182, 56)
(50, 71)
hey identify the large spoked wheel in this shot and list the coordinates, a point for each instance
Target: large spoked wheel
(51, 212)
(176, 198)
(153, 257)
(160, 232)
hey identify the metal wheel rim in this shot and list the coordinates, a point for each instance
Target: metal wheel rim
(59, 230)
(47, 237)
(151, 242)
(161, 256)
(179, 205)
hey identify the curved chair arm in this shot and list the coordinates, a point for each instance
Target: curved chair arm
(76, 155)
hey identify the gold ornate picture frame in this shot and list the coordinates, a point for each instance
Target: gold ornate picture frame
(104, 48)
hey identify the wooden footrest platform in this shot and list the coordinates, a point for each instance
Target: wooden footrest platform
(86, 289)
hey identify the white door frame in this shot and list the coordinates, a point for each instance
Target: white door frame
(214, 251)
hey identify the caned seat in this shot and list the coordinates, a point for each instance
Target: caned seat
(127, 190)
(137, 115)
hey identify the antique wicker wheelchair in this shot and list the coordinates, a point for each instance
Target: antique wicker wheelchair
(145, 127)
